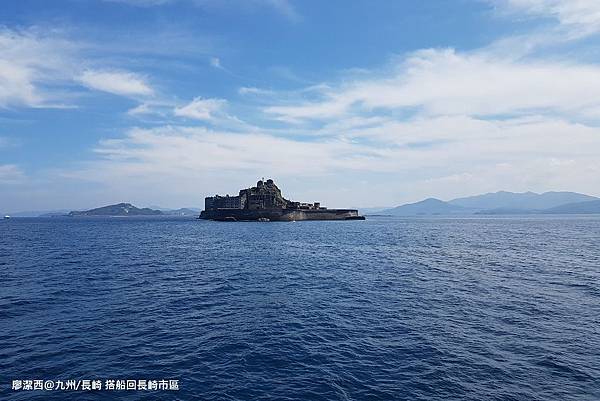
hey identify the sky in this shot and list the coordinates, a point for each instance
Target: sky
(351, 103)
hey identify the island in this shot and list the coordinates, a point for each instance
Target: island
(125, 210)
(120, 209)
(264, 202)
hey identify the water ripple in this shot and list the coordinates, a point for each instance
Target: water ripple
(385, 309)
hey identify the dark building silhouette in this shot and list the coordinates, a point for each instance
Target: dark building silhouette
(265, 202)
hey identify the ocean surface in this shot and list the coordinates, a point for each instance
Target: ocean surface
(384, 309)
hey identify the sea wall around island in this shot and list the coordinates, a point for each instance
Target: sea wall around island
(279, 214)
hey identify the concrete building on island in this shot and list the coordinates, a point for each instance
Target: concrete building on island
(265, 202)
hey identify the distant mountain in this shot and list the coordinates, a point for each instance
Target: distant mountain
(429, 206)
(120, 209)
(503, 203)
(521, 201)
(589, 207)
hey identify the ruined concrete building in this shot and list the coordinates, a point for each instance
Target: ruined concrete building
(265, 202)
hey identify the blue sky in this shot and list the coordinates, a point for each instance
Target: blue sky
(351, 103)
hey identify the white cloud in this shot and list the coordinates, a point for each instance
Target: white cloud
(29, 62)
(443, 82)
(141, 109)
(580, 16)
(194, 149)
(16, 85)
(116, 82)
(201, 109)
(154, 107)
(37, 69)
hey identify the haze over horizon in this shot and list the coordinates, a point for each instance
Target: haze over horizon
(166, 102)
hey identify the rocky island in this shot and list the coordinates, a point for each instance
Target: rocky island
(264, 202)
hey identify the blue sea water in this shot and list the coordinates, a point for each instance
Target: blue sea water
(383, 309)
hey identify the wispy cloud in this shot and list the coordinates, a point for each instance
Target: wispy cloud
(580, 17)
(444, 82)
(195, 149)
(28, 64)
(151, 110)
(116, 82)
(201, 109)
(141, 109)
(43, 69)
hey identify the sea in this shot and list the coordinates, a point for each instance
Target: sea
(477, 308)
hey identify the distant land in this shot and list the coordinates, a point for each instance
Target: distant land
(427, 206)
(39, 213)
(524, 201)
(120, 209)
(589, 207)
(127, 209)
(502, 203)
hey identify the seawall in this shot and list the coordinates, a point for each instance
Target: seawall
(280, 214)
